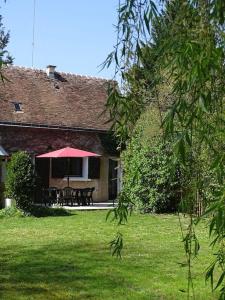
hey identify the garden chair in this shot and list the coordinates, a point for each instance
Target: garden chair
(67, 195)
(76, 197)
(59, 197)
(90, 196)
(83, 196)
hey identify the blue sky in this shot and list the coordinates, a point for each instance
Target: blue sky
(74, 35)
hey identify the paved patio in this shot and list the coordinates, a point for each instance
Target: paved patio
(96, 206)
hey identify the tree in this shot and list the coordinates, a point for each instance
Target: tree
(5, 57)
(187, 38)
(20, 181)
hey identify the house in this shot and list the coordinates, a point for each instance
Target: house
(45, 110)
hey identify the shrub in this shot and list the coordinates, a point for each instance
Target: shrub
(2, 189)
(34, 211)
(11, 212)
(151, 181)
(154, 182)
(20, 181)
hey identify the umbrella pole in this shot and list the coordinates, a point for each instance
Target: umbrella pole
(68, 167)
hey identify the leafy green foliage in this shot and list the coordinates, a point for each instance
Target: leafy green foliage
(116, 245)
(11, 212)
(20, 181)
(150, 181)
(5, 58)
(109, 143)
(187, 38)
(2, 189)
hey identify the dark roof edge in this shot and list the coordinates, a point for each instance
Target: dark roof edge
(54, 127)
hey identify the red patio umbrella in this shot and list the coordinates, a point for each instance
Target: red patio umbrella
(67, 153)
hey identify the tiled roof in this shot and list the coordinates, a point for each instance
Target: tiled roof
(67, 101)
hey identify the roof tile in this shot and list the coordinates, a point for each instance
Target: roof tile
(68, 100)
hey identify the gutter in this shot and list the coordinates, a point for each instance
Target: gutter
(54, 127)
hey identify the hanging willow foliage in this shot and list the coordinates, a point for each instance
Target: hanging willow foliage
(188, 40)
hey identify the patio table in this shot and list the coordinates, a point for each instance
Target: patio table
(81, 196)
(68, 196)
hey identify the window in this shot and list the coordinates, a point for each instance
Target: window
(62, 167)
(17, 106)
(76, 167)
(58, 167)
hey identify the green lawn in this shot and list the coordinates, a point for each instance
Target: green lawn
(68, 258)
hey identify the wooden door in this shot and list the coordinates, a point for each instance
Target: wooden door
(42, 167)
(113, 170)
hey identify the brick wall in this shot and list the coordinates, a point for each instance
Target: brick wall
(38, 140)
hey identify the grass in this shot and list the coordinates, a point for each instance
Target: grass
(67, 257)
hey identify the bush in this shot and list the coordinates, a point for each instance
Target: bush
(154, 182)
(34, 211)
(11, 212)
(151, 181)
(20, 181)
(2, 190)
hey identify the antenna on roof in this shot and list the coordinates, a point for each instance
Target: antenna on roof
(34, 13)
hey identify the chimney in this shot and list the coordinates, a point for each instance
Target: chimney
(50, 70)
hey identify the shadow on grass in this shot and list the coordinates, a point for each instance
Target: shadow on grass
(57, 271)
(41, 211)
(34, 211)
